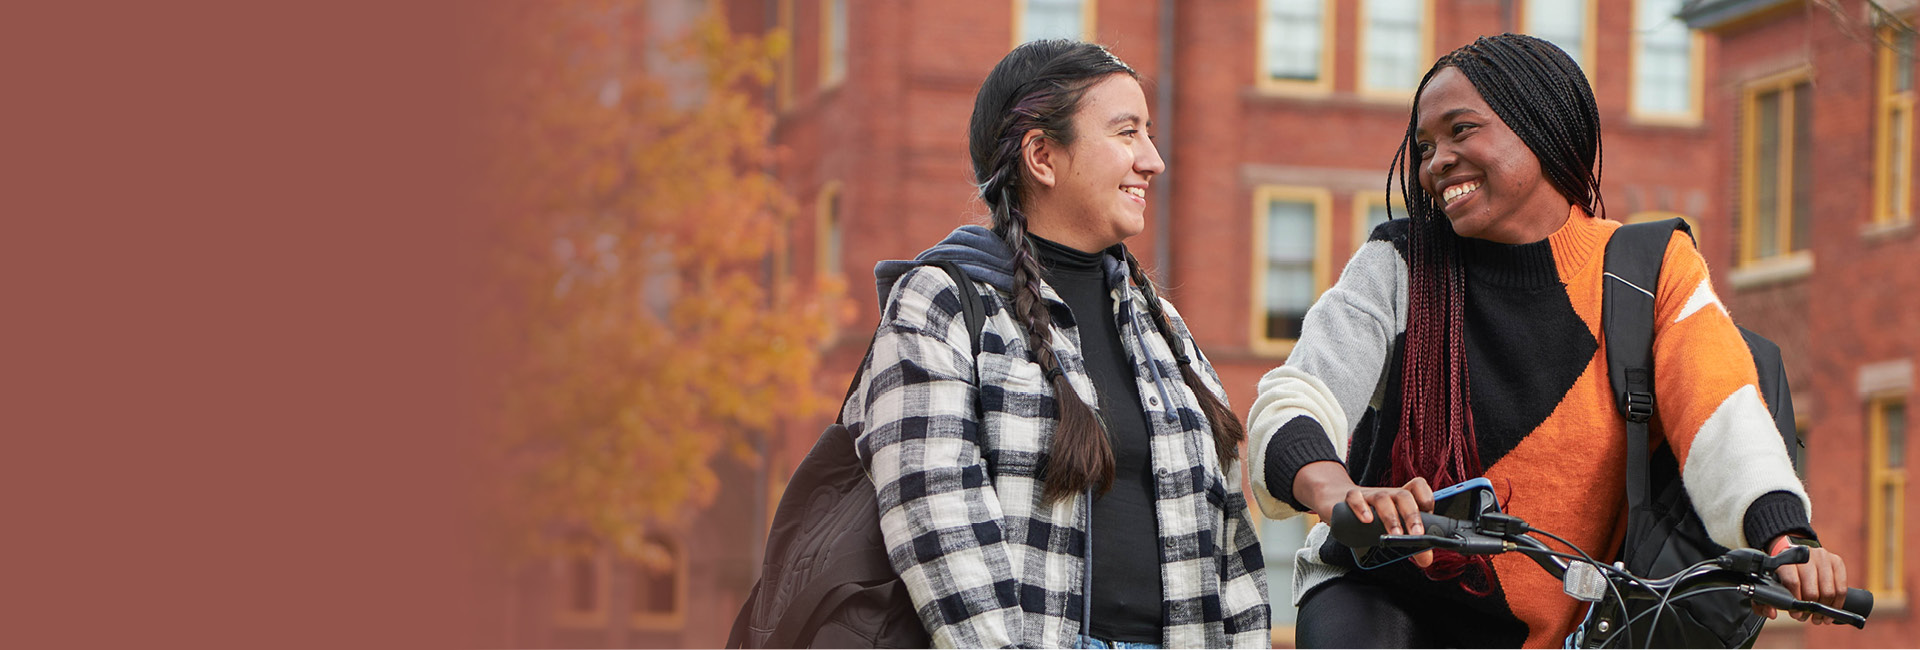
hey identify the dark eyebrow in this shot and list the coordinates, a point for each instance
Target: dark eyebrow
(1448, 117)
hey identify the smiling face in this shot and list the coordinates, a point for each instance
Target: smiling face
(1487, 180)
(1092, 194)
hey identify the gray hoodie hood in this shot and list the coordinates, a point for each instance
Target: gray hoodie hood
(979, 252)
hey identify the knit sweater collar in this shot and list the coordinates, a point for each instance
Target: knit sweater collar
(1539, 264)
(1059, 258)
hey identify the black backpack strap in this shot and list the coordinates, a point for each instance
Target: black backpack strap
(737, 637)
(971, 305)
(1634, 256)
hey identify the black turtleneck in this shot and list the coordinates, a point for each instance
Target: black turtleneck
(1126, 554)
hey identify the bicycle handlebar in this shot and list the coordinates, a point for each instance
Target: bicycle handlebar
(1348, 528)
(1465, 536)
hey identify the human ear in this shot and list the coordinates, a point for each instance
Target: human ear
(1037, 154)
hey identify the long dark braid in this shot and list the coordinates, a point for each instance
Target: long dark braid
(1541, 94)
(1039, 86)
(1228, 432)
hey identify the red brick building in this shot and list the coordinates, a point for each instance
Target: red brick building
(1278, 119)
(1822, 94)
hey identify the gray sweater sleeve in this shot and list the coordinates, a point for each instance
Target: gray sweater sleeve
(1331, 375)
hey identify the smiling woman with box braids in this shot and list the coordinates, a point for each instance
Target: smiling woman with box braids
(1462, 342)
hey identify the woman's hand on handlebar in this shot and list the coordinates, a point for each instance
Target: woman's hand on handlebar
(1823, 579)
(1398, 508)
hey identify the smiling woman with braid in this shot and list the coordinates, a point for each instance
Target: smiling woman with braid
(1077, 484)
(1472, 329)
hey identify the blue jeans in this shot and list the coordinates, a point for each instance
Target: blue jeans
(1090, 642)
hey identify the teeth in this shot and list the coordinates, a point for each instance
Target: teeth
(1136, 191)
(1461, 189)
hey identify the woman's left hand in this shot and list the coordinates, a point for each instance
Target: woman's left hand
(1823, 579)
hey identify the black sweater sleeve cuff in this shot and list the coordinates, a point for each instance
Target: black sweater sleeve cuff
(1775, 514)
(1298, 442)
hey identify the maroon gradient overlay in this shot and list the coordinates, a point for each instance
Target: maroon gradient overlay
(231, 409)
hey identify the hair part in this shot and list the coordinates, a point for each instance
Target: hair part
(1039, 85)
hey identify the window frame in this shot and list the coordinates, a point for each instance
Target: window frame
(1369, 91)
(563, 614)
(783, 83)
(1275, 85)
(1887, 104)
(1750, 92)
(1589, 36)
(1880, 563)
(1263, 197)
(827, 263)
(1088, 11)
(1364, 202)
(833, 71)
(1696, 86)
(677, 617)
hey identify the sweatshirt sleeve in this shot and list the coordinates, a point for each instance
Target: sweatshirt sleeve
(1305, 410)
(1711, 412)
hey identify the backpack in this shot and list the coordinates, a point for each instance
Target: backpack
(826, 580)
(1664, 534)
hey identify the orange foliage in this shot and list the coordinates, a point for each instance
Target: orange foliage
(646, 320)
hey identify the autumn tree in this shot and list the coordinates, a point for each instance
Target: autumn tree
(640, 306)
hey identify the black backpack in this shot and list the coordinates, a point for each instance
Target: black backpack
(826, 581)
(1664, 534)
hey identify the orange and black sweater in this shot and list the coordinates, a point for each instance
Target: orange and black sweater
(1545, 424)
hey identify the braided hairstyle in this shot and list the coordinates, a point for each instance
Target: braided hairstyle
(1039, 85)
(1541, 94)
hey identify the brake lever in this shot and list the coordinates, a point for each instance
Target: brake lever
(1792, 555)
(1838, 615)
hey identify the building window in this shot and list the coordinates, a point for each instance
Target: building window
(829, 226)
(1886, 495)
(1666, 56)
(1369, 211)
(833, 42)
(1395, 38)
(1041, 19)
(658, 598)
(1563, 23)
(1776, 189)
(581, 587)
(1296, 44)
(1290, 257)
(1893, 130)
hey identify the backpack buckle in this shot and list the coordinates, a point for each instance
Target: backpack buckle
(1639, 407)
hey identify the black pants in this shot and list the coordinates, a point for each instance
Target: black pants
(1353, 611)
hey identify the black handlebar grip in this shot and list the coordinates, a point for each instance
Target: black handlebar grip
(1859, 601)
(1349, 531)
